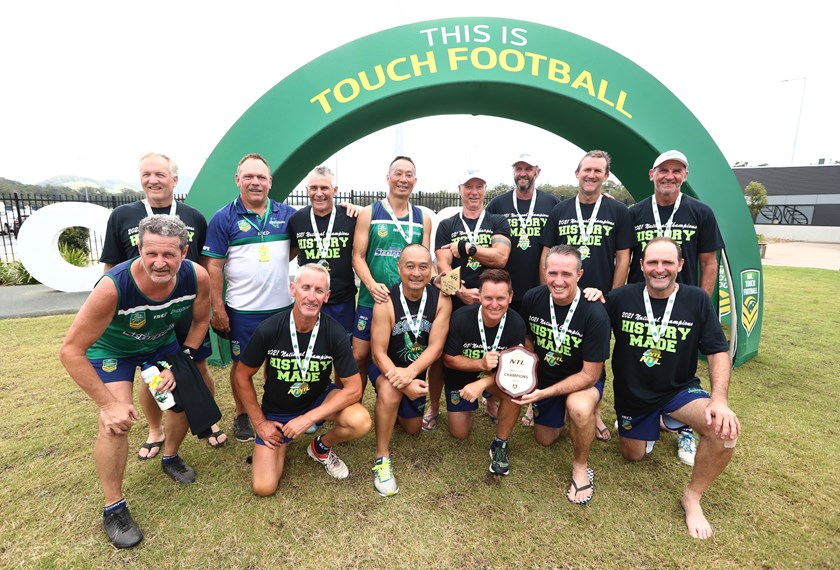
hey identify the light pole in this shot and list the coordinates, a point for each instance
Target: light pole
(804, 81)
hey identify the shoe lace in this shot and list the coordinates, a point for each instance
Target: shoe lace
(382, 470)
(121, 518)
(500, 455)
(686, 442)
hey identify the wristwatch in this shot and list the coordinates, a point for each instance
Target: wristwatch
(471, 251)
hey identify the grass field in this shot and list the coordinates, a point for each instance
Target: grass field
(776, 506)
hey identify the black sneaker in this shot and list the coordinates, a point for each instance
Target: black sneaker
(178, 470)
(499, 464)
(121, 529)
(242, 429)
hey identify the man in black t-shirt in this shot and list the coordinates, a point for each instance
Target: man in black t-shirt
(473, 241)
(328, 243)
(571, 337)
(600, 228)
(477, 333)
(300, 347)
(527, 211)
(158, 177)
(408, 333)
(692, 225)
(659, 326)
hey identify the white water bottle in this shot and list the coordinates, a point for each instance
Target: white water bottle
(151, 376)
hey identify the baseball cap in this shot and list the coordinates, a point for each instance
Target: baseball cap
(671, 155)
(469, 174)
(527, 158)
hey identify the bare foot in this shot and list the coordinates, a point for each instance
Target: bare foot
(582, 488)
(153, 446)
(528, 419)
(695, 520)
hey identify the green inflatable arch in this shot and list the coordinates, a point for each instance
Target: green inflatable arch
(550, 78)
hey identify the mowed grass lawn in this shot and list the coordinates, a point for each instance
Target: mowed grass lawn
(776, 506)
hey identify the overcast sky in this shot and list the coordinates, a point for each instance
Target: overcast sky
(88, 86)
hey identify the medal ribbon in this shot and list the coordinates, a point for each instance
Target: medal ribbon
(560, 336)
(498, 338)
(323, 246)
(414, 325)
(303, 365)
(472, 236)
(658, 221)
(149, 211)
(526, 221)
(585, 233)
(406, 237)
(656, 332)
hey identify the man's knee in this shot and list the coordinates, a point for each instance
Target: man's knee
(633, 449)
(264, 488)
(546, 437)
(356, 418)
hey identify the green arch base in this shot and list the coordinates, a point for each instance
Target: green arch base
(550, 78)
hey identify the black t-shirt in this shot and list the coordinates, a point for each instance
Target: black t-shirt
(287, 390)
(587, 338)
(646, 375)
(524, 264)
(121, 233)
(340, 252)
(403, 347)
(464, 339)
(611, 232)
(451, 230)
(695, 229)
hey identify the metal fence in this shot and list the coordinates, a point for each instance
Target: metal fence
(15, 208)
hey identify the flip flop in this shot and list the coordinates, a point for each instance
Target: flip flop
(603, 434)
(590, 474)
(528, 419)
(217, 434)
(150, 445)
(430, 422)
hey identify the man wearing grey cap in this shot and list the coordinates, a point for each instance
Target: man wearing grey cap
(473, 240)
(527, 212)
(692, 225)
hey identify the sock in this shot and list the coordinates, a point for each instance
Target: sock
(499, 442)
(114, 507)
(320, 447)
(168, 458)
(685, 429)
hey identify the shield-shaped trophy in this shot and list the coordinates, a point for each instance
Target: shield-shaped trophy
(516, 374)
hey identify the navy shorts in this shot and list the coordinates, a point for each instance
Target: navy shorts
(123, 369)
(364, 317)
(408, 408)
(551, 412)
(646, 426)
(454, 402)
(242, 327)
(343, 313)
(284, 418)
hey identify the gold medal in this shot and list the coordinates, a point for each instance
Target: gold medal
(584, 252)
(324, 263)
(524, 242)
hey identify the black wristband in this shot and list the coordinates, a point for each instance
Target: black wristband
(191, 352)
(462, 248)
(472, 250)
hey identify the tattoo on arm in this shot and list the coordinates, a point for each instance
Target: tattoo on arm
(500, 239)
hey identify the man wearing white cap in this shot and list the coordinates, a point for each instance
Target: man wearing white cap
(692, 225)
(473, 240)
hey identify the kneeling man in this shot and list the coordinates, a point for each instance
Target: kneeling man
(300, 347)
(659, 326)
(477, 333)
(407, 336)
(571, 337)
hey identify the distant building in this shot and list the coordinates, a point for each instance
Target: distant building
(803, 202)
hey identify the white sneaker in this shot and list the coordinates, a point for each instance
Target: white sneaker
(686, 447)
(383, 478)
(334, 466)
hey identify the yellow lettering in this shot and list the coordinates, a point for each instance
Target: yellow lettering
(619, 106)
(456, 55)
(380, 79)
(393, 74)
(322, 99)
(558, 71)
(476, 61)
(602, 91)
(354, 90)
(584, 80)
(535, 62)
(416, 64)
(518, 58)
